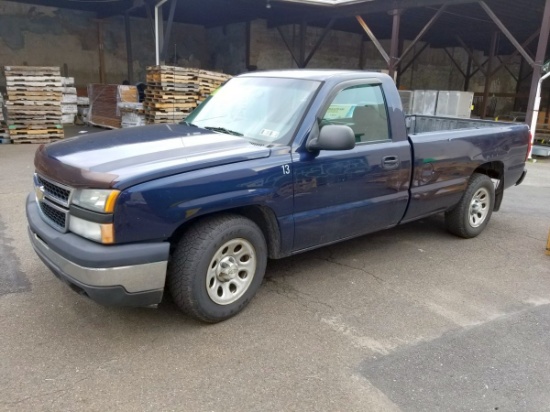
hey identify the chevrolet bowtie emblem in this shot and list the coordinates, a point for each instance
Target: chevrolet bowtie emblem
(39, 190)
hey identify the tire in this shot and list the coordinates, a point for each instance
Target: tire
(470, 216)
(217, 267)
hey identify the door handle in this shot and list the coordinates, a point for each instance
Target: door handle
(390, 162)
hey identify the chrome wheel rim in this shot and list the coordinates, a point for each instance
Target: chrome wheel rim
(231, 271)
(479, 207)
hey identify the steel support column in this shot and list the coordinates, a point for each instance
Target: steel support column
(394, 48)
(539, 60)
(486, 90)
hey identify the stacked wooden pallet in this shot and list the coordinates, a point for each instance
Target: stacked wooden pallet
(68, 102)
(209, 82)
(104, 99)
(34, 103)
(173, 92)
(4, 135)
(131, 114)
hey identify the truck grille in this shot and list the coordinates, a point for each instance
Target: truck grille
(53, 200)
(55, 191)
(55, 216)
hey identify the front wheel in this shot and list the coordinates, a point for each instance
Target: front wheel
(470, 216)
(217, 267)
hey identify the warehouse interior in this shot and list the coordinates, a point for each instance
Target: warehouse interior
(494, 49)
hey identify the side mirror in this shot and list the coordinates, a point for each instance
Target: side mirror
(333, 137)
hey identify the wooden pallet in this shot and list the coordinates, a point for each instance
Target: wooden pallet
(36, 136)
(173, 87)
(30, 83)
(18, 104)
(34, 141)
(36, 126)
(31, 89)
(172, 77)
(35, 97)
(163, 95)
(32, 71)
(169, 105)
(36, 120)
(172, 69)
(17, 132)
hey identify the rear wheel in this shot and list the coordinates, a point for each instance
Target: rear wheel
(470, 216)
(217, 267)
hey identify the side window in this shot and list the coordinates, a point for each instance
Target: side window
(362, 108)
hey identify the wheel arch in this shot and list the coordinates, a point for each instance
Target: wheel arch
(262, 216)
(494, 170)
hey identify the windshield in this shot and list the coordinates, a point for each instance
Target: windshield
(265, 110)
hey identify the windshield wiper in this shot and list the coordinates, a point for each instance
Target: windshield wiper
(223, 130)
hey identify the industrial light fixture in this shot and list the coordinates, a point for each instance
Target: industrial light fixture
(268, 4)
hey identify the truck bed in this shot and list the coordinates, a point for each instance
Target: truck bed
(417, 124)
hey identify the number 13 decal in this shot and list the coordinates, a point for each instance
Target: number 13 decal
(286, 169)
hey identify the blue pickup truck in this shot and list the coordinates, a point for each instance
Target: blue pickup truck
(274, 164)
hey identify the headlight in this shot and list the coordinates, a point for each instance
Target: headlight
(100, 232)
(98, 200)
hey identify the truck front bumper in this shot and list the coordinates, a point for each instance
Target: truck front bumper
(121, 275)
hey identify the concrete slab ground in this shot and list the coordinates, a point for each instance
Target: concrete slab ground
(410, 319)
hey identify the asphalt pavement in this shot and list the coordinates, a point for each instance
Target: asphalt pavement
(410, 319)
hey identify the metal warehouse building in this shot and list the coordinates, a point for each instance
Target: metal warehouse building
(494, 48)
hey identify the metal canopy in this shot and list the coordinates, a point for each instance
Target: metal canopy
(460, 17)
(470, 24)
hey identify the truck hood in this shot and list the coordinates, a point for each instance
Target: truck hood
(122, 158)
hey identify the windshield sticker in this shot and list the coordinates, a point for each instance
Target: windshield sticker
(272, 134)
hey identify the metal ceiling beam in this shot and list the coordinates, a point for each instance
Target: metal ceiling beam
(373, 6)
(373, 38)
(506, 32)
(423, 31)
(509, 58)
(288, 46)
(415, 56)
(504, 65)
(327, 29)
(454, 62)
(472, 55)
